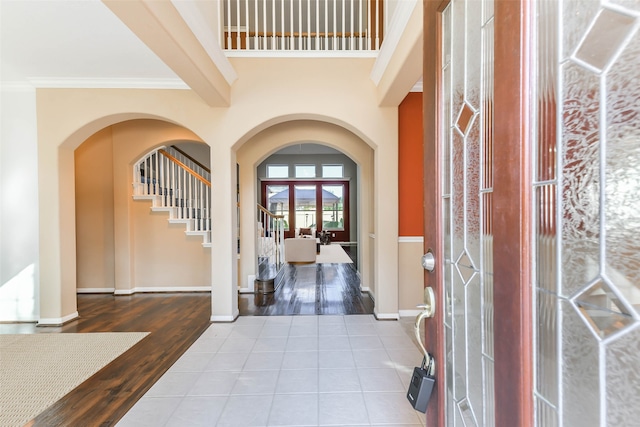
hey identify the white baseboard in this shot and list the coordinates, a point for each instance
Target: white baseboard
(163, 289)
(386, 316)
(251, 280)
(57, 321)
(409, 313)
(366, 289)
(225, 318)
(95, 290)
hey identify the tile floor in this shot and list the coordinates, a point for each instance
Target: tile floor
(288, 371)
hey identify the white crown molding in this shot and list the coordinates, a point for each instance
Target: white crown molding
(107, 83)
(392, 36)
(16, 86)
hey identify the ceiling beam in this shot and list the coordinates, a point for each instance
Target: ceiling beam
(162, 28)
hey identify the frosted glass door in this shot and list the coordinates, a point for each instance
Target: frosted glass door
(587, 192)
(466, 83)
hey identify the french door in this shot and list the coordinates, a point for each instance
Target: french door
(320, 205)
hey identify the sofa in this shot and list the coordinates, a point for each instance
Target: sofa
(300, 249)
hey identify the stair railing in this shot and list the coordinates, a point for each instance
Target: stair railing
(302, 25)
(269, 243)
(174, 186)
(190, 162)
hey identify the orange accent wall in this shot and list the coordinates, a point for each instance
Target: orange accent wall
(410, 171)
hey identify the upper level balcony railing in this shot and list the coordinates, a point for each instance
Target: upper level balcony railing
(302, 25)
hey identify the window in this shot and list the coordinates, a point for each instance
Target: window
(305, 171)
(333, 207)
(277, 171)
(332, 171)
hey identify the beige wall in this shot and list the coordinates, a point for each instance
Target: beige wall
(411, 275)
(94, 213)
(160, 255)
(268, 92)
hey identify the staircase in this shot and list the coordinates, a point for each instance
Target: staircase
(269, 251)
(178, 185)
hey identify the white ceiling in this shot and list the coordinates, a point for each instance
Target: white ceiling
(74, 42)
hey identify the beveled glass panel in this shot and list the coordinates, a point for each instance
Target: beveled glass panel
(604, 38)
(446, 228)
(446, 37)
(447, 123)
(486, 109)
(465, 115)
(546, 357)
(473, 296)
(473, 46)
(623, 380)
(487, 232)
(467, 414)
(576, 17)
(457, 194)
(580, 361)
(459, 337)
(547, 83)
(487, 319)
(448, 299)
(487, 10)
(622, 203)
(602, 309)
(545, 414)
(489, 392)
(472, 196)
(581, 180)
(545, 237)
(449, 355)
(457, 54)
(629, 4)
(465, 267)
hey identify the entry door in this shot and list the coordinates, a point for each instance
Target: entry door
(476, 214)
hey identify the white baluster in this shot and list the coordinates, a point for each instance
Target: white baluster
(359, 25)
(308, 47)
(378, 24)
(228, 3)
(351, 27)
(256, 39)
(238, 24)
(246, 25)
(344, 18)
(317, 29)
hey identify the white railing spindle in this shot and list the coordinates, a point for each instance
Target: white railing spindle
(317, 24)
(174, 186)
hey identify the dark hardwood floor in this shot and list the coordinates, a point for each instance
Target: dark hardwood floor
(311, 289)
(175, 321)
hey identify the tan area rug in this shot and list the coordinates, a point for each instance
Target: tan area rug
(36, 370)
(332, 254)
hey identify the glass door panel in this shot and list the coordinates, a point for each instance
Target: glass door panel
(466, 138)
(333, 207)
(305, 206)
(278, 202)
